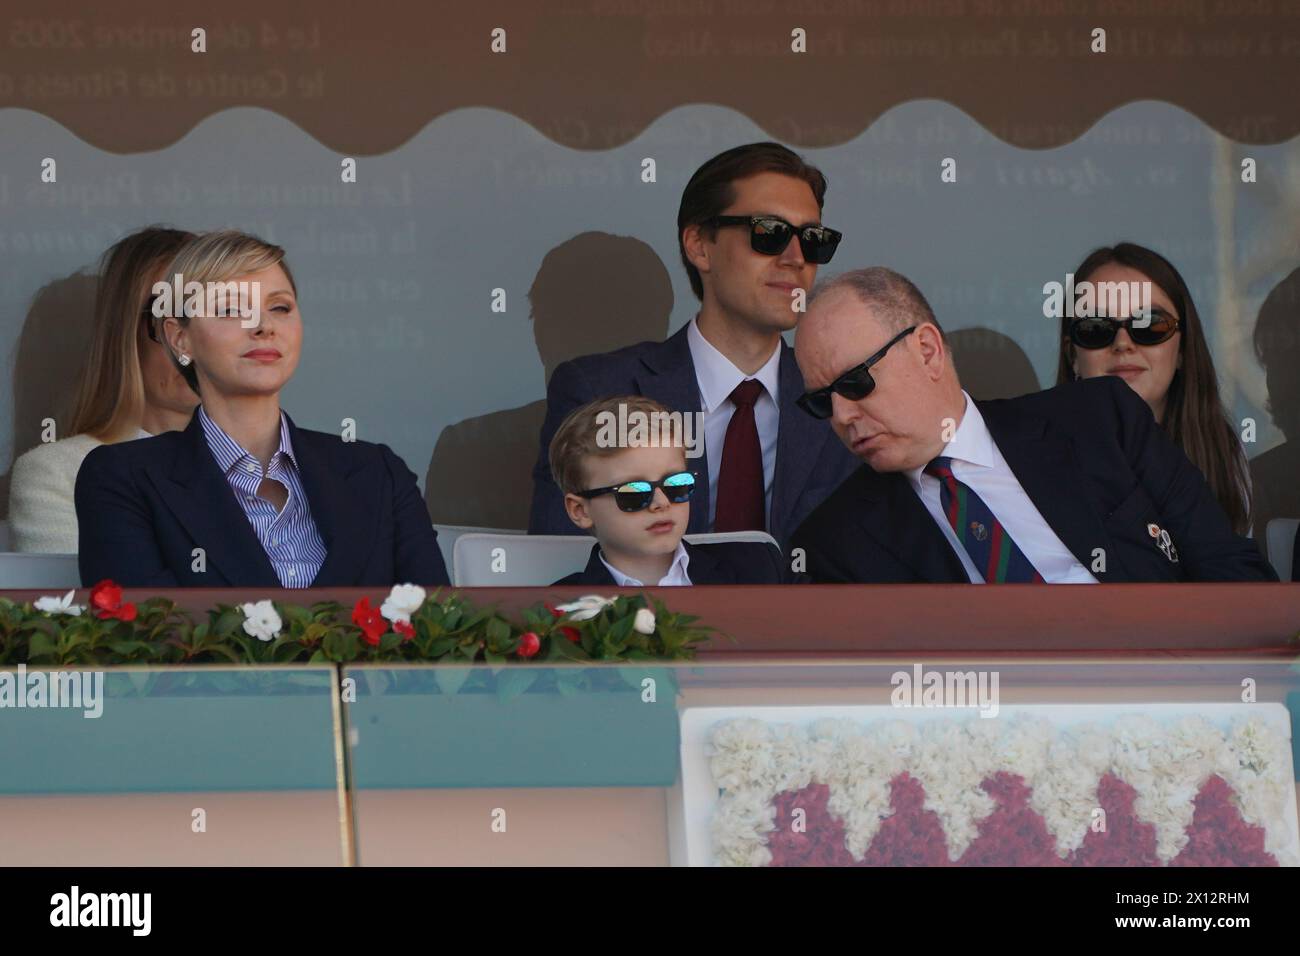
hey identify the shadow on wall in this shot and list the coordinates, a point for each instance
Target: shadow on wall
(1275, 475)
(991, 365)
(47, 362)
(594, 293)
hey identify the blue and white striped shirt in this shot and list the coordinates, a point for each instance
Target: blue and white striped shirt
(289, 538)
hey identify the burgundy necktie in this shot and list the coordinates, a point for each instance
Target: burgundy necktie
(740, 492)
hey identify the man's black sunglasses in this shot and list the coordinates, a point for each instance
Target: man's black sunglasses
(1099, 332)
(637, 495)
(854, 384)
(770, 235)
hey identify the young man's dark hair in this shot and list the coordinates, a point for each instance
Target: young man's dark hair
(710, 190)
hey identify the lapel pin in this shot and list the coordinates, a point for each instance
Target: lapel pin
(1153, 530)
(1167, 546)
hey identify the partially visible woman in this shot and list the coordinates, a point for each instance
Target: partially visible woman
(1167, 362)
(129, 389)
(243, 497)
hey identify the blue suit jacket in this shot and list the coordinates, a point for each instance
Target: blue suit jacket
(810, 460)
(143, 506)
(1096, 466)
(729, 562)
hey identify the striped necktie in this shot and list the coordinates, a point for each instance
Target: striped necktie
(990, 547)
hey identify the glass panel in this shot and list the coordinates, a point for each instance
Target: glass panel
(146, 766)
(676, 763)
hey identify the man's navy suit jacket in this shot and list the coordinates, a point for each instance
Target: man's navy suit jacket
(810, 460)
(144, 506)
(1091, 458)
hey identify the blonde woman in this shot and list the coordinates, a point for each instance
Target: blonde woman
(243, 497)
(130, 389)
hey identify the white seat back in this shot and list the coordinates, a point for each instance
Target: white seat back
(517, 560)
(722, 537)
(538, 560)
(448, 533)
(1279, 542)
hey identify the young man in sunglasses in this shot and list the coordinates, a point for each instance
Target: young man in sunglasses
(635, 498)
(750, 236)
(1074, 484)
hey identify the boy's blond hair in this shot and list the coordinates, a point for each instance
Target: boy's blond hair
(576, 440)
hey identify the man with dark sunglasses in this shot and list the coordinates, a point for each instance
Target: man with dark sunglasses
(751, 238)
(1076, 484)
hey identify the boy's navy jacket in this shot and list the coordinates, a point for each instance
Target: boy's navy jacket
(144, 506)
(729, 562)
(810, 460)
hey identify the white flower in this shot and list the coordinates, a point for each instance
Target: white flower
(402, 601)
(645, 621)
(585, 607)
(58, 605)
(261, 620)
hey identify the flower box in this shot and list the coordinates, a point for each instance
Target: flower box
(1156, 784)
(522, 726)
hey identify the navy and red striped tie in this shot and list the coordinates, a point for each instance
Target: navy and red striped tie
(995, 554)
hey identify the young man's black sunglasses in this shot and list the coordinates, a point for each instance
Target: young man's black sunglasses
(638, 494)
(854, 384)
(770, 235)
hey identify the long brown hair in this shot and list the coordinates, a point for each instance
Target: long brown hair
(111, 397)
(1194, 414)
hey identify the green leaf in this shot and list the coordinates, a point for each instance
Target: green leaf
(498, 631)
(40, 645)
(127, 648)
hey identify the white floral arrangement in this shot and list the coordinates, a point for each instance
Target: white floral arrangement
(752, 761)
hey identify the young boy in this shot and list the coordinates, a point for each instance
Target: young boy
(621, 463)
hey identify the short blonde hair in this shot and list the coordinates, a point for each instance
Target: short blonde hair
(576, 440)
(221, 257)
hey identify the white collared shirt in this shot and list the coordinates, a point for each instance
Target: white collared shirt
(977, 463)
(717, 378)
(675, 577)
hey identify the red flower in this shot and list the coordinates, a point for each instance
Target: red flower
(405, 629)
(106, 599)
(911, 835)
(529, 644)
(572, 633)
(1013, 834)
(817, 841)
(1127, 840)
(370, 621)
(1218, 835)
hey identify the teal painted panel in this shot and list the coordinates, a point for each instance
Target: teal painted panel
(406, 732)
(219, 729)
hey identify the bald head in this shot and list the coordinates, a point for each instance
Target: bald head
(899, 425)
